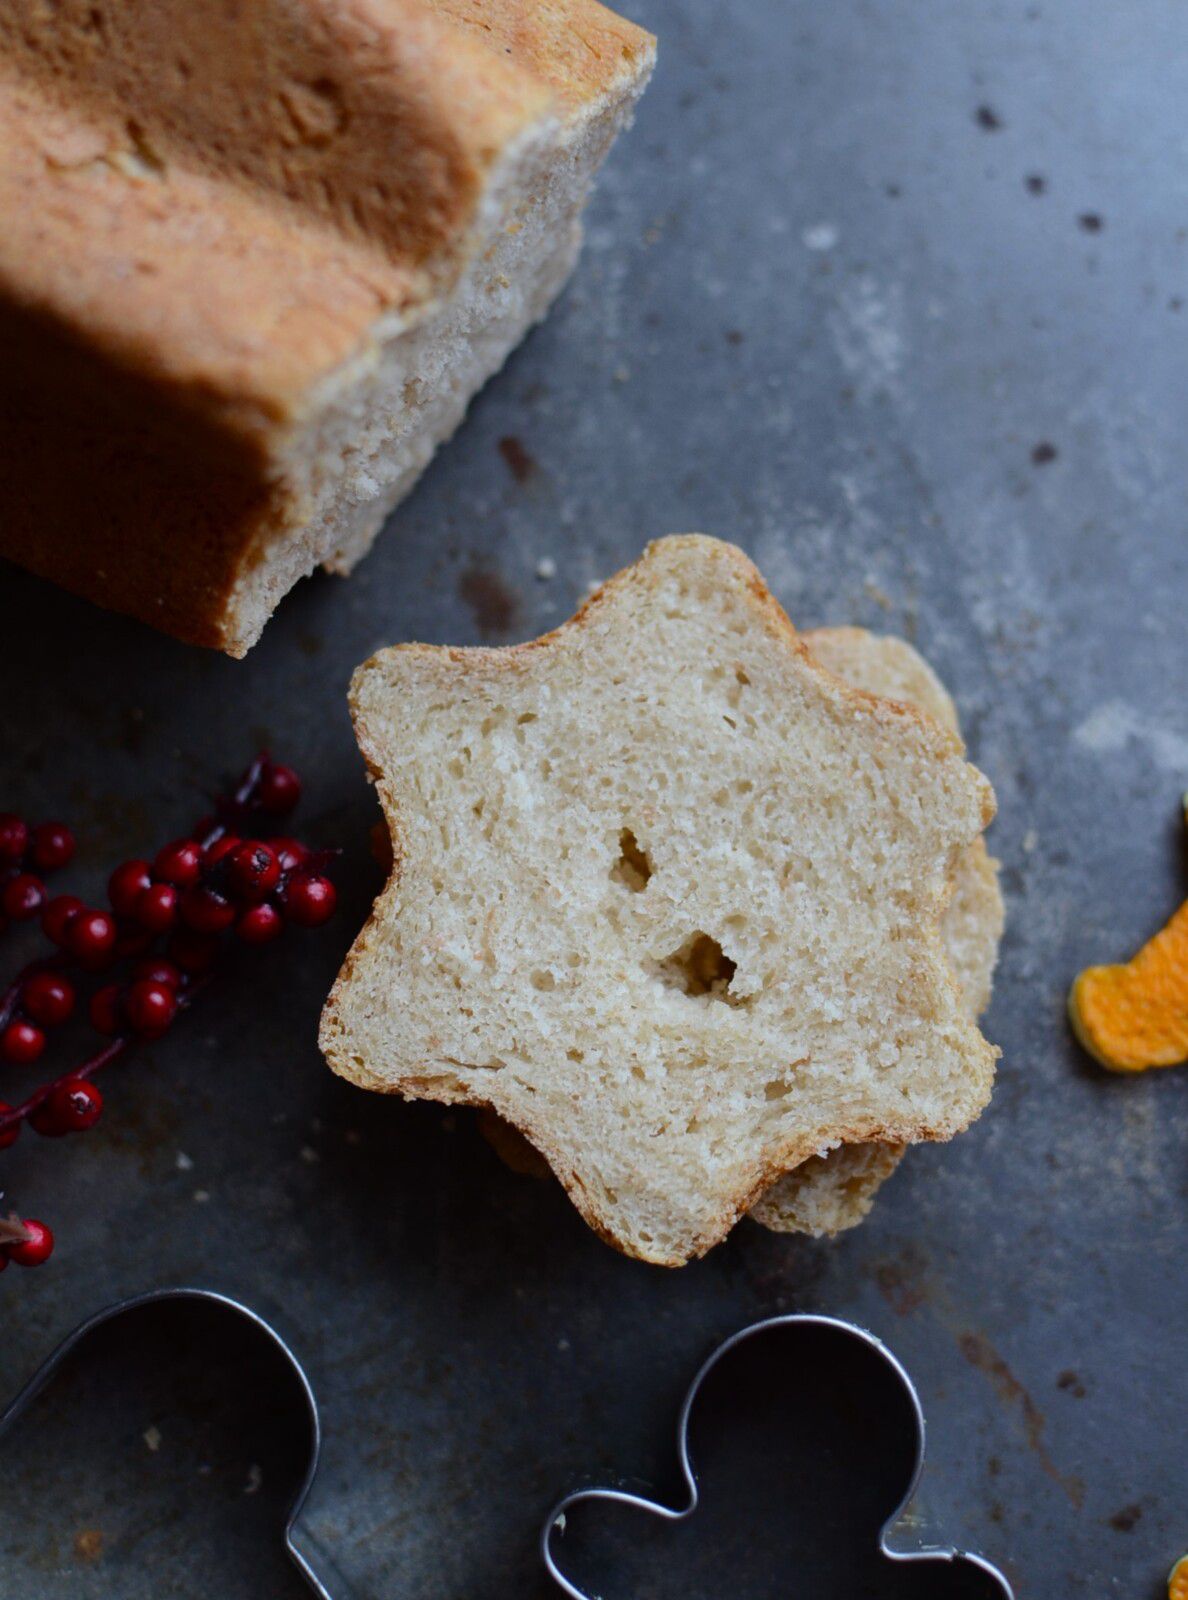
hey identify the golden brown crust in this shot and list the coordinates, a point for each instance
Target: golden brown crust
(206, 209)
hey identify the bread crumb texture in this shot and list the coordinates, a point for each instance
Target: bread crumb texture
(665, 897)
(830, 1193)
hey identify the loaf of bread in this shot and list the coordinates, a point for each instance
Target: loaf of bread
(255, 259)
(832, 1192)
(665, 896)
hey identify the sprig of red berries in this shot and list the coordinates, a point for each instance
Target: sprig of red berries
(27, 856)
(164, 930)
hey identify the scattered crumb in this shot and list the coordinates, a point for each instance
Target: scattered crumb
(88, 1544)
(309, 1155)
(201, 1196)
(880, 596)
(152, 1437)
(986, 117)
(621, 374)
(1070, 1383)
(184, 1162)
(255, 1478)
(546, 568)
(562, 1344)
(1036, 183)
(821, 236)
(1030, 840)
(1043, 453)
(1090, 222)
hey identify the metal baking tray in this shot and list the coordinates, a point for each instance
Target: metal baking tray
(895, 297)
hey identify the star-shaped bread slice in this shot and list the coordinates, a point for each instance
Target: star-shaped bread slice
(665, 896)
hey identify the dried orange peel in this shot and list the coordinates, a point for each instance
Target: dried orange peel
(1135, 1015)
(1177, 1580)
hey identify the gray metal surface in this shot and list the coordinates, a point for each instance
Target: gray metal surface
(894, 296)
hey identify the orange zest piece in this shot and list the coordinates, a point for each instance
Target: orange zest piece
(1177, 1580)
(1135, 1015)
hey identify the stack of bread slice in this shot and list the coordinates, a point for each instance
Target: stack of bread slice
(679, 896)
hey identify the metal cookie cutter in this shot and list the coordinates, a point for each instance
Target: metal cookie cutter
(302, 1548)
(804, 1383)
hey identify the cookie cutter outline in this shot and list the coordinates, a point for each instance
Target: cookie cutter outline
(555, 1522)
(302, 1549)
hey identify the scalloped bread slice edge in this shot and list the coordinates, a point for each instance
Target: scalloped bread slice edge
(665, 896)
(830, 1193)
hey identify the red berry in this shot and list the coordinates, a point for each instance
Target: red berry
(158, 970)
(222, 847)
(59, 913)
(8, 1135)
(254, 870)
(309, 900)
(150, 1007)
(23, 897)
(91, 937)
(21, 1042)
(52, 846)
(179, 863)
(260, 924)
(193, 952)
(156, 909)
(48, 998)
(126, 885)
(74, 1106)
(14, 838)
(289, 852)
(206, 910)
(37, 1246)
(279, 789)
(105, 1009)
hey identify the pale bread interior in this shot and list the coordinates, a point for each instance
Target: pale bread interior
(830, 1193)
(374, 426)
(665, 897)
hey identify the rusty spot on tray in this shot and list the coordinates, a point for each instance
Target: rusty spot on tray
(1043, 453)
(1123, 1521)
(1036, 183)
(980, 1353)
(986, 117)
(88, 1544)
(1090, 222)
(901, 1282)
(519, 463)
(493, 605)
(1070, 1383)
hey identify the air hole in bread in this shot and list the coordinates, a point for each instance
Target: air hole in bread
(543, 980)
(699, 967)
(633, 867)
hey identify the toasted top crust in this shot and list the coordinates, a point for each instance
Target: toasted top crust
(578, 822)
(224, 198)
